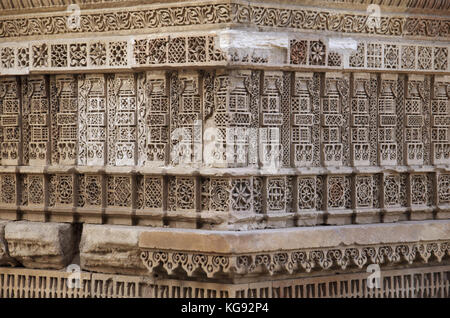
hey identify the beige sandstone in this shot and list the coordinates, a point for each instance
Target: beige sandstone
(335, 131)
(228, 242)
(41, 245)
(5, 258)
(111, 249)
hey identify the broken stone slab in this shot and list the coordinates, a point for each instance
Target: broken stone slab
(111, 249)
(5, 258)
(41, 245)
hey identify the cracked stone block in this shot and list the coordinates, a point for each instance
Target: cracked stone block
(41, 245)
(111, 249)
(5, 258)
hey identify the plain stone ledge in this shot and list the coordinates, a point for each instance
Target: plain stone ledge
(227, 242)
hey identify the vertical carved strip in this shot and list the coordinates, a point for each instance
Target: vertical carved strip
(373, 120)
(426, 111)
(439, 119)
(344, 92)
(400, 104)
(314, 89)
(142, 130)
(112, 86)
(53, 120)
(208, 94)
(25, 125)
(174, 88)
(286, 111)
(83, 91)
(252, 81)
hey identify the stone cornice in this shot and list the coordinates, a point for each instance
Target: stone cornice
(151, 18)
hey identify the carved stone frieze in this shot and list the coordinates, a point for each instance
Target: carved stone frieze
(293, 262)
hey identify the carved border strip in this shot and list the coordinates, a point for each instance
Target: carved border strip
(68, 195)
(111, 53)
(337, 21)
(15, 5)
(150, 18)
(203, 49)
(291, 17)
(290, 262)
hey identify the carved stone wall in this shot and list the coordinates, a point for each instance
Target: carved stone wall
(225, 115)
(346, 147)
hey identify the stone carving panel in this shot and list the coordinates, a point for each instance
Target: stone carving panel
(121, 141)
(363, 120)
(36, 119)
(64, 106)
(334, 120)
(387, 119)
(122, 120)
(92, 120)
(10, 112)
(156, 116)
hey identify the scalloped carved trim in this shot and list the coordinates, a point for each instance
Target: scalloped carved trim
(291, 262)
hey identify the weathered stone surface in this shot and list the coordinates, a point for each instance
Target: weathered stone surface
(5, 258)
(111, 249)
(229, 242)
(217, 116)
(41, 245)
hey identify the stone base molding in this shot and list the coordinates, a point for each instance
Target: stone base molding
(134, 261)
(221, 254)
(224, 255)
